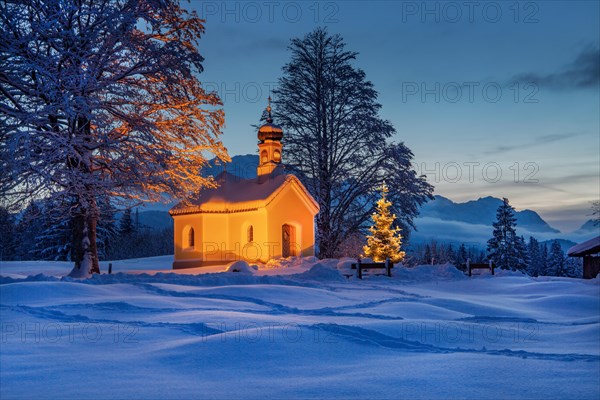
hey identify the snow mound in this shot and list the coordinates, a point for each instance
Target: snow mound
(345, 263)
(322, 271)
(291, 262)
(429, 272)
(311, 259)
(288, 337)
(30, 278)
(330, 262)
(279, 263)
(242, 267)
(84, 268)
(344, 266)
(507, 272)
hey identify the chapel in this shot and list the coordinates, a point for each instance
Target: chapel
(256, 220)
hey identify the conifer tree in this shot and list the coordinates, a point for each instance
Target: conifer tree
(7, 235)
(461, 257)
(28, 228)
(522, 260)
(107, 228)
(450, 255)
(502, 247)
(556, 260)
(544, 260)
(126, 226)
(52, 242)
(536, 266)
(384, 241)
(573, 267)
(427, 255)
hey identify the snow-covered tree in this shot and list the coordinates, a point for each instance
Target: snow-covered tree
(107, 228)
(427, 255)
(561, 265)
(596, 212)
(7, 235)
(53, 241)
(30, 225)
(384, 241)
(504, 248)
(522, 260)
(101, 98)
(337, 143)
(450, 255)
(544, 259)
(461, 256)
(536, 264)
(556, 260)
(573, 267)
(126, 226)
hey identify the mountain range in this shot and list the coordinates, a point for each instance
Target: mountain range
(481, 211)
(471, 223)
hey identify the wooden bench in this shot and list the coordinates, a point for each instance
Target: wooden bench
(360, 267)
(471, 266)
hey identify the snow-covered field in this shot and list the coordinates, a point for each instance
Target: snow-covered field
(303, 331)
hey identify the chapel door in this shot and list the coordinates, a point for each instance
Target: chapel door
(288, 240)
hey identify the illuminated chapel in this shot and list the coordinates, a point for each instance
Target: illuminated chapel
(270, 216)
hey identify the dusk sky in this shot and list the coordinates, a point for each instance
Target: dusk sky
(477, 90)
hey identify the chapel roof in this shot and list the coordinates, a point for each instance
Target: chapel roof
(235, 194)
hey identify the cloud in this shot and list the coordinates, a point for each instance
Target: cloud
(476, 235)
(582, 73)
(536, 142)
(583, 177)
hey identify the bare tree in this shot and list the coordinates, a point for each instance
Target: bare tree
(101, 98)
(337, 142)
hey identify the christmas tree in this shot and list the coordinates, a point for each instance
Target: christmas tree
(384, 241)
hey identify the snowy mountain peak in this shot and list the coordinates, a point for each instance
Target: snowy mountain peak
(482, 212)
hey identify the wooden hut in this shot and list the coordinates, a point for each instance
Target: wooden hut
(590, 251)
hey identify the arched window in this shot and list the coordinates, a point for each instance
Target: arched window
(264, 157)
(277, 156)
(250, 234)
(191, 238)
(188, 239)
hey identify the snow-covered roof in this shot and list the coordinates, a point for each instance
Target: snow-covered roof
(235, 194)
(591, 246)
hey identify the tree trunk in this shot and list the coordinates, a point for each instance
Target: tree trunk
(326, 246)
(85, 251)
(85, 219)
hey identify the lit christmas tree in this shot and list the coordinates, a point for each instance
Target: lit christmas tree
(384, 241)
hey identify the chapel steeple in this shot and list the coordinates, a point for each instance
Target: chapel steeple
(269, 145)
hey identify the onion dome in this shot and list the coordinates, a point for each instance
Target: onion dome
(270, 131)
